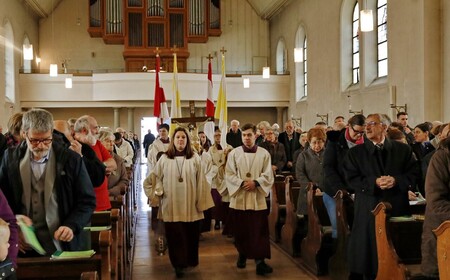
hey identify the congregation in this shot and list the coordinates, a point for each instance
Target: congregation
(55, 173)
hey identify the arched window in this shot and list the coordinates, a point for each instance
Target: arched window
(281, 57)
(301, 69)
(26, 63)
(382, 42)
(305, 68)
(355, 45)
(9, 63)
(350, 45)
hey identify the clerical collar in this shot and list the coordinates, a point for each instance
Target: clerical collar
(250, 150)
(165, 141)
(182, 153)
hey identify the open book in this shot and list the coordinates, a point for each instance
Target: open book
(30, 236)
(59, 255)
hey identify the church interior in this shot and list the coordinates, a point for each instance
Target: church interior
(308, 61)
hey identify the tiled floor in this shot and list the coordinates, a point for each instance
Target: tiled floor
(217, 257)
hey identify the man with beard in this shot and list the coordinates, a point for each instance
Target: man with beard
(86, 129)
(94, 167)
(48, 185)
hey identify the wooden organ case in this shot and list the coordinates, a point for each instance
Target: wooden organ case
(144, 25)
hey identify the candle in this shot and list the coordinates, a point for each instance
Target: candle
(393, 95)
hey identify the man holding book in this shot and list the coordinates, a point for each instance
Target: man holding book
(48, 185)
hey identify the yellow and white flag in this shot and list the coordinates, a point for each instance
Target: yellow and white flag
(175, 110)
(221, 112)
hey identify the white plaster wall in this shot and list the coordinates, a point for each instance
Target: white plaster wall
(415, 42)
(23, 23)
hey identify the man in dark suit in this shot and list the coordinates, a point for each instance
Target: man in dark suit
(148, 140)
(290, 139)
(378, 170)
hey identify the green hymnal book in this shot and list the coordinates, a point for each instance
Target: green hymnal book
(30, 237)
(58, 255)
(99, 228)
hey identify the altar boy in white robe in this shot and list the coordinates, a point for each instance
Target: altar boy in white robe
(249, 179)
(184, 193)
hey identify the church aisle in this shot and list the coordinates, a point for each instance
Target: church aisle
(217, 256)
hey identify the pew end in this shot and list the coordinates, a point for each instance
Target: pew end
(337, 265)
(316, 247)
(443, 249)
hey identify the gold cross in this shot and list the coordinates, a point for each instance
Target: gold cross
(223, 50)
(209, 57)
(174, 49)
(157, 51)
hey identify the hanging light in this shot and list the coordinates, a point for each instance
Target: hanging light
(246, 82)
(27, 51)
(68, 82)
(53, 70)
(298, 54)
(266, 72)
(366, 19)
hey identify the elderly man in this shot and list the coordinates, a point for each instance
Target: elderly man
(234, 135)
(48, 184)
(380, 169)
(290, 140)
(123, 149)
(86, 128)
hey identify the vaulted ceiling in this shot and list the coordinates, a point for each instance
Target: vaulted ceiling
(42, 8)
(266, 9)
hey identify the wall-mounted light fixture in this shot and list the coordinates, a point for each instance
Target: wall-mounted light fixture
(266, 72)
(323, 117)
(68, 82)
(246, 82)
(27, 52)
(298, 54)
(53, 70)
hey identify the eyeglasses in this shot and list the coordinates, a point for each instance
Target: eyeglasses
(372, 123)
(357, 131)
(36, 142)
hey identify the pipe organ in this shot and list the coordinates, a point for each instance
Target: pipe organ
(144, 25)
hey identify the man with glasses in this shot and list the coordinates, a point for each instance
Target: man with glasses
(338, 144)
(377, 170)
(48, 185)
(275, 149)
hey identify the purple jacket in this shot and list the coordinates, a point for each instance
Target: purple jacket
(7, 215)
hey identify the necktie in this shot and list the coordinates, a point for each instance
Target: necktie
(379, 155)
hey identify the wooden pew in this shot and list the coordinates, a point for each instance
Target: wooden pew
(45, 268)
(110, 218)
(390, 263)
(118, 202)
(277, 208)
(443, 249)
(293, 229)
(89, 275)
(337, 265)
(316, 247)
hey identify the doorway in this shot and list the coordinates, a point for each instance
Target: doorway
(146, 124)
